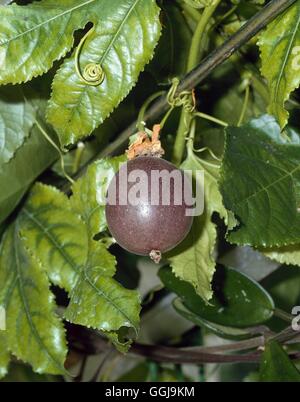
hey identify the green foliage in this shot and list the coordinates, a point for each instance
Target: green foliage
(238, 301)
(51, 237)
(77, 108)
(25, 153)
(276, 365)
(280, 49)
(176, 36)
(262, 165)
(121, 43)
(54, 234)
(222, 331)
(65, 284)
(29, 161)
(289, 255)
(115, 308)
(34, 333)
(16, 120)
(193, 260)
(89, 193)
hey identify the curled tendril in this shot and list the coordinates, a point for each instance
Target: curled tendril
(186, 99)
(93, 73)
(212, 154)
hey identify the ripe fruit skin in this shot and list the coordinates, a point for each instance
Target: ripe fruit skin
(143, 228)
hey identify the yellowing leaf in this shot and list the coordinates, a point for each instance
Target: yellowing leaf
(59, 234)
(97, 300)
(54, 234)
(33, 331)
(280, 55)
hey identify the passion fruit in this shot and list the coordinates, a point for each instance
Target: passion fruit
(152, 218)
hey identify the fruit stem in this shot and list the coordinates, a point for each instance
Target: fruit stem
(195, 55)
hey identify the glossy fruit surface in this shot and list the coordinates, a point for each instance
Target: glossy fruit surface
(144, 227)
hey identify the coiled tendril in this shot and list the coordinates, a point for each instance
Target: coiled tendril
(93, 73)
(186, 99)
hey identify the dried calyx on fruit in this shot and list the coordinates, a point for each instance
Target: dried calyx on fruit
(149, 200)
(146, 145)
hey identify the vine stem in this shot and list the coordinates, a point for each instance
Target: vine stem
(196, 50)
(201, 72)
(94, 343)
(195, 54)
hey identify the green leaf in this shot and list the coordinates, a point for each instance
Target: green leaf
(193, 260)
(289, 255)
(25, 152)
(90, 192)
(276, 365)
(29, 161)
(54, 234)
(59, 233)
(99, 301)
(222, 331)
(114, 307)
(34, 333)
(122, 44)
(35, 35)
(280, 55)
(16, 120)
(260, 180)
(173, 48)
(238, 301)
